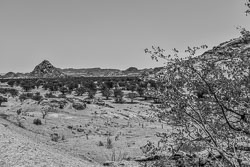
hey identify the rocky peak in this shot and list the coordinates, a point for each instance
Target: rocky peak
(46, 70)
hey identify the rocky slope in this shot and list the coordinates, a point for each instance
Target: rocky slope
(17, 150)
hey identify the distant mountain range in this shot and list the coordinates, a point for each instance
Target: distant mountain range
(46, 70)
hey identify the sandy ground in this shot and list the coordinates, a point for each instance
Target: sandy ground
(129, 126)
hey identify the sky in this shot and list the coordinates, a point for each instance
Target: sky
(110, 33)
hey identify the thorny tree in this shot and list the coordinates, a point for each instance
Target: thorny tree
(207, 99)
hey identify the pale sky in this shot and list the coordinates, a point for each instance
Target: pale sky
(110, 33)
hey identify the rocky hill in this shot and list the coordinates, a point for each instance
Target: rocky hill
(46, 70)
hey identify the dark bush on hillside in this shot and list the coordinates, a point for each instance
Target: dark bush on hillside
(63, 90)
(11, 83)
(80, 91)
(13, 92)
(107, 93)
(37, 121)
(37, 97)
(23, 97)
(55, 137)
(132, 96)
(91, 93)
(3, 99)
(140, 91)
(91, 86)
(118, 92)
(27, 85)
(62, 96)
(49, 95)
(79, 106)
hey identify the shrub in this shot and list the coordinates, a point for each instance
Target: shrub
(109, 143)
(91, 94)
(140, 91)
(118, 92)
(116, 156)
(3, 99)
(37, 121)
(49, 95)
(11, 83)
(25, 96)
(63, 90)
(27, 85)
(132, 95)
(37, 97)
(62, 96)
(55, 137)
(100, 143)
(81, 90)
(107, 93)
(11, 91)
(79, 106)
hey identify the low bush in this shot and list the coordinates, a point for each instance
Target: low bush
(12, 92)
(109, 143)
(100, 143)
(49, 95)
(37, 121)
(79, 106)
(55, 137)
(37, 97)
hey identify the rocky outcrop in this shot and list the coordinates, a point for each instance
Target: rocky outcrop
(46, 70)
